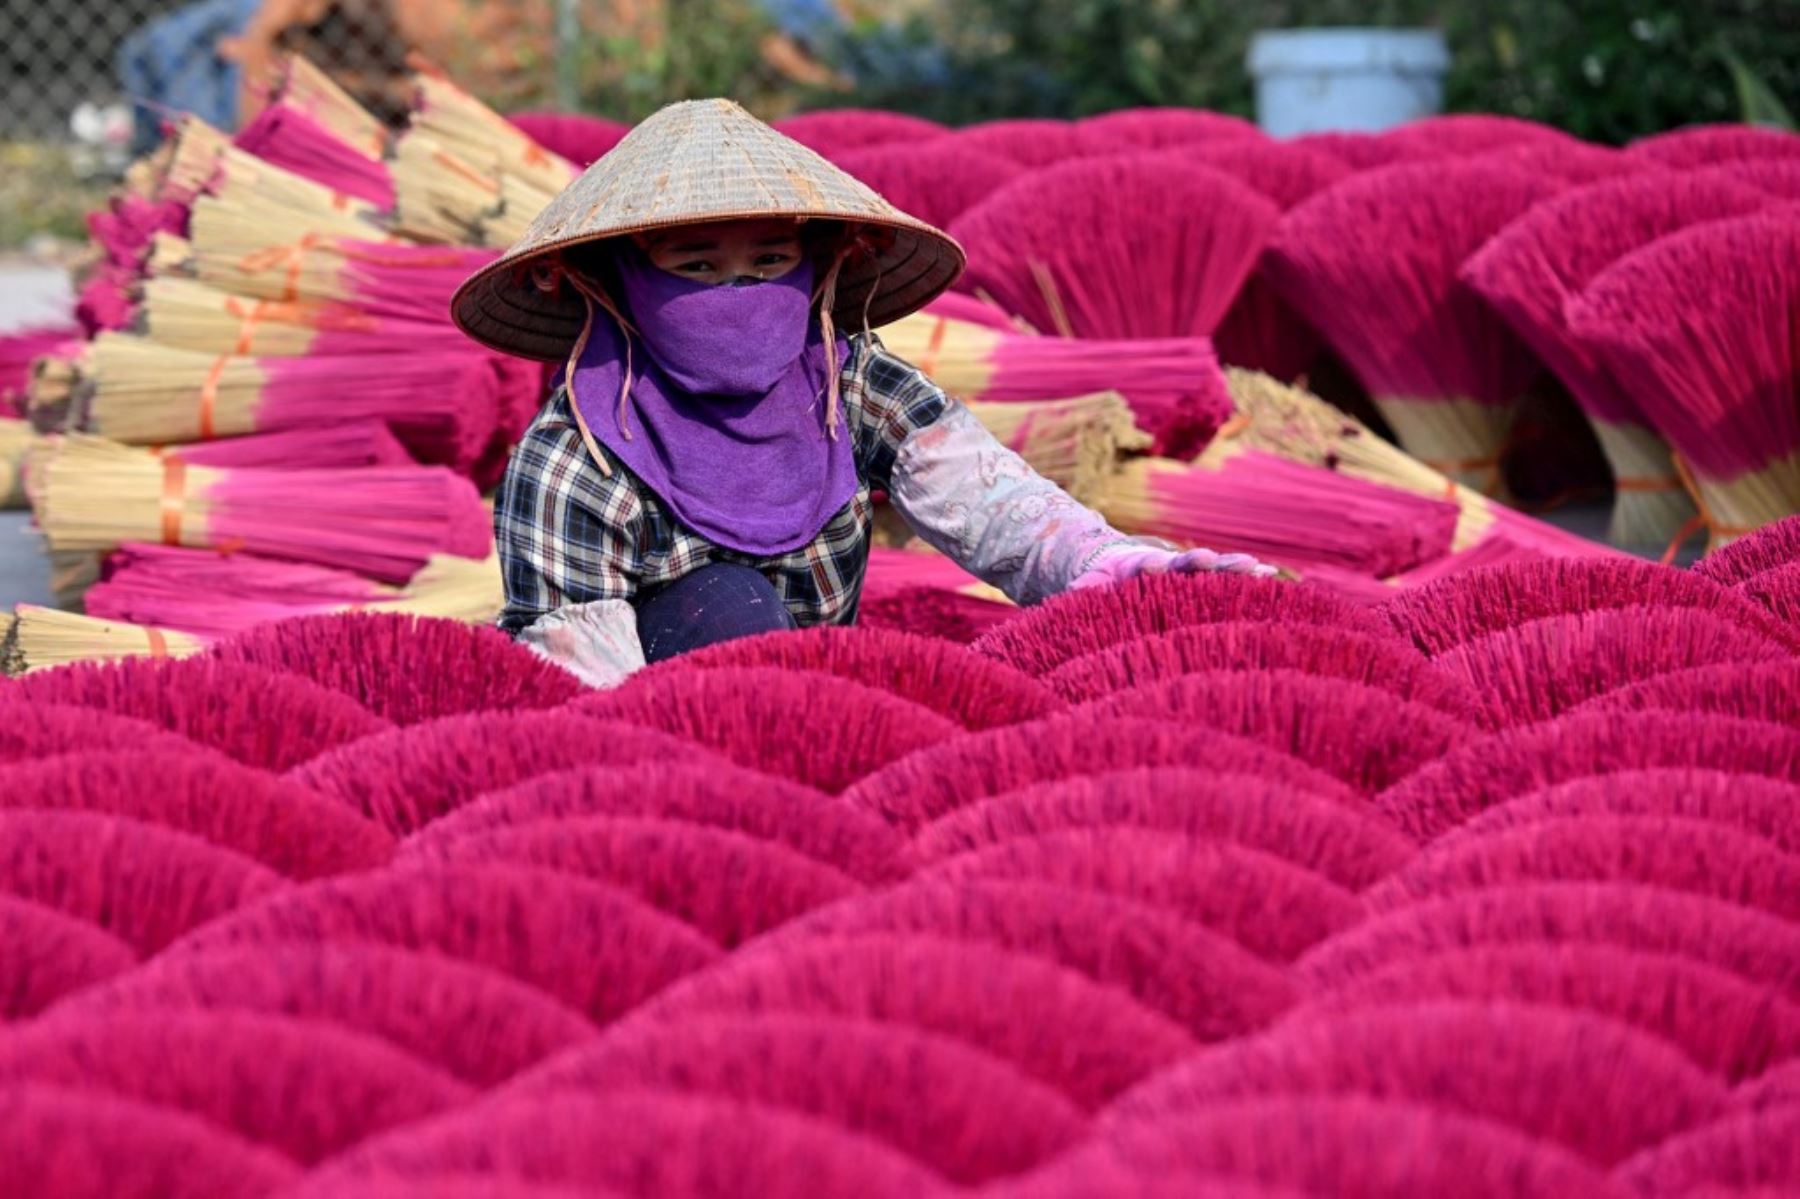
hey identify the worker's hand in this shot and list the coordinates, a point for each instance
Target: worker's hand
(1128, 563)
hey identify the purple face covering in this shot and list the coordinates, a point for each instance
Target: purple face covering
(727, 414)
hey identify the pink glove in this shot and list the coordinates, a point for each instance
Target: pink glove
(1125, 564)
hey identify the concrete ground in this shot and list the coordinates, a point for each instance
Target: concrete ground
(29, 295)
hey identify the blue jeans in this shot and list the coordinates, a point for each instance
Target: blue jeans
(720, 602)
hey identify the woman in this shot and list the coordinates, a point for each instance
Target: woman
(706, 471)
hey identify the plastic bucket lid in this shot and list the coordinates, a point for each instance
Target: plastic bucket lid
(1349, 51)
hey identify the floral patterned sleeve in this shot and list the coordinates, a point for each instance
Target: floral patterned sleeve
(981, 504)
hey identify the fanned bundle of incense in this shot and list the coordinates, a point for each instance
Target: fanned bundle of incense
(936, 182)
(1295, 424)
(1262, 331)
(443, 406)
(1118, 247)
(41, 638)
(383, 522)
(1699, 327)
(476, 134)
(1357, 150)
(1463, 134)
(1573, 162)
(287, 137)
(1373, 262)
(1165, 128)
(1031, 142)
(190, 315)
(1709, 145)
(1240, 499)
(833, 131)
(1530, 271)
(1076, 443)
(1777, 177)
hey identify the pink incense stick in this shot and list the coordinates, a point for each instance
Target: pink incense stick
(212, 594)
(1708, 145)
(382, 522)
(1165, 128)
(443, 407)
(18, 351)
(834, 131)
(1296, 515)
(937, 181)
(294, 141)
(1262, 331)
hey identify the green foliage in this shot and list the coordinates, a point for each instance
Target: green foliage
(1609, 70)
(706, 48)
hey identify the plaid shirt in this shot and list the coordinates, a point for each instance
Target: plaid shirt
(569, 534)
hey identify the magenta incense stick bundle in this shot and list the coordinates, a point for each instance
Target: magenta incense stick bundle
(190, 315)
(443, 406)
(1532, 269)
(1699, 328)
(1250, 502)
(834, 131)
(1710, 145)
(1373, 263)
(1166, 129)
(210, 594)
(936, 181)
(284, 135)
(1118, 247)
(1262, 331)
(382, 522)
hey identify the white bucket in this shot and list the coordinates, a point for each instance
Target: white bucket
(1308, 80)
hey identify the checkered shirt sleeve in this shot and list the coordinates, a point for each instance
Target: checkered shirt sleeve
(566, 532)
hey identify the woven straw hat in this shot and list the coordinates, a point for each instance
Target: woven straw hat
(695, 162)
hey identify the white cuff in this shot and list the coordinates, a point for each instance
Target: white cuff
(596, 642)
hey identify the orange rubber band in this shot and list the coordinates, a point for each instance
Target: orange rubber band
(209, 396)
(1232, 428)
(159, 645)
(1716, 530)
(174, 499)
(1451, 467)
(468, 173)
(293, 256)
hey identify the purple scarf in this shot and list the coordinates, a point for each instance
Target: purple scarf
(726, 420)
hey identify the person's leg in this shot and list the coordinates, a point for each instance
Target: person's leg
(716, 603)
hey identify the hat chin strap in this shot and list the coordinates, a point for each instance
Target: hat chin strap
(591, 297)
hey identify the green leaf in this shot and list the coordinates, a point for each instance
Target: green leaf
(1760, 105)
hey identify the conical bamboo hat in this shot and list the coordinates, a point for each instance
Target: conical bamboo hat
(694, 162)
